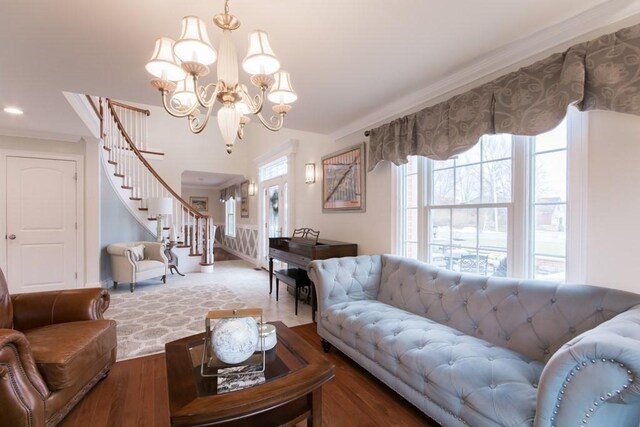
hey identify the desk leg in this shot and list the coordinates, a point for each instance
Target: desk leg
(270, 275)
(315, 419)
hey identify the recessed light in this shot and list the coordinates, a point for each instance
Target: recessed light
(14, 110)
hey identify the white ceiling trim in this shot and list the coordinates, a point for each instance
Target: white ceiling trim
(34, 134)
(502, 59)
(84, 110)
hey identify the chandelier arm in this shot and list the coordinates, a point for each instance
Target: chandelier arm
(255, 103)
(201, 93)
(194, 122)
(274, 123)
(174, 112)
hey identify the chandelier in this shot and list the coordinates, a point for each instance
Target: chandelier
(178, 65)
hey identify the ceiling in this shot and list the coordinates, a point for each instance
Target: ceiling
(208, 179)
(350, 60)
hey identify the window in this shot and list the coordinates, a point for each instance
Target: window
(230, 217)
(497, 209)
(278, 167)
(468, 208)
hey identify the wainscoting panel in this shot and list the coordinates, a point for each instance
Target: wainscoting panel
(245, 243)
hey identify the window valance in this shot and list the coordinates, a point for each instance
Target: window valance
(602, 74)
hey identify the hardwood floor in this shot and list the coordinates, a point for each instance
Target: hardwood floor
(135, 394)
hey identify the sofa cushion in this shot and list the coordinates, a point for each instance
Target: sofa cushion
(465, 374)
(64, 352)
(148, 264)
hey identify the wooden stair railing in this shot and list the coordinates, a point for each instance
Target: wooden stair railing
(118, 122)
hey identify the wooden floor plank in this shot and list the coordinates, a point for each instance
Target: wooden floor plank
(135, 394)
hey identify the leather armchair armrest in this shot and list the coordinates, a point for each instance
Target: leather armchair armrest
(22, 389)
(47, 308)
(594, 377)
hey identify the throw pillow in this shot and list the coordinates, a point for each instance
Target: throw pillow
(137, 252)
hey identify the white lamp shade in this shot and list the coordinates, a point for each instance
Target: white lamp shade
(228, 61)
(163, 63)
(228, 121)
(160, 206)
(282, 92)
(184, 97)
(260, 58)
(194, 44)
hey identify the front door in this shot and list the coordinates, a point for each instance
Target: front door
(274, 213)
(41, 224)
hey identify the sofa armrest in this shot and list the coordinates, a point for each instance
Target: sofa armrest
(345, 279)
(595, 377)
(22, 389)
(155, 251)
(46, 308)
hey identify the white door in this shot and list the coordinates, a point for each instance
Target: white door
(41, 224)
(274, 213)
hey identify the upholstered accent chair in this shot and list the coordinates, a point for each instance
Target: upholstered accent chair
(132, 262)
(54, 347)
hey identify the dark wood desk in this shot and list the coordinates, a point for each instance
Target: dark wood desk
(292, 392)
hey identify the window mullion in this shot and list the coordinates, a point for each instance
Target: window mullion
(518, 241)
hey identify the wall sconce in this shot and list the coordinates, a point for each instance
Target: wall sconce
(252, 188)
(310, 173)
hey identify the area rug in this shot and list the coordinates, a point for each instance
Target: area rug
(156, 314)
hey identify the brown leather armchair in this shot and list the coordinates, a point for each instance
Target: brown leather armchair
(54, 347)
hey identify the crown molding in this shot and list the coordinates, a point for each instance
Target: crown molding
(502, 59)
(36, 134)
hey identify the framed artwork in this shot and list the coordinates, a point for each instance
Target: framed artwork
(201, 204)
(244, 199)
(343, 180)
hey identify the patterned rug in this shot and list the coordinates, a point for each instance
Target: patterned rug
(156, 314)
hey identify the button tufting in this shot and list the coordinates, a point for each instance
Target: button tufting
(484, 287)
(553, 300)
(450, 362)
(492, 386)
(572, 330)
(495, 308)
(529, 320)
(600, 309)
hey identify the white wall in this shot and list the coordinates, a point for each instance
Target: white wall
(613, 238)
(213, 204)
(371, 230)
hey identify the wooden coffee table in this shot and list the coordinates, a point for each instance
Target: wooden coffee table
(292, 391)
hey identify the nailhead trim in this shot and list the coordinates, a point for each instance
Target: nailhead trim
(592, 408)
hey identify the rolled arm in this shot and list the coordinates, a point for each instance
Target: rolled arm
(345, 279)
(22, 389)
(46, 308)
(594, 378)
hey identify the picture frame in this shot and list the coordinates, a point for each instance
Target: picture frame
(344, 180)
(201, 204)
(244, 199)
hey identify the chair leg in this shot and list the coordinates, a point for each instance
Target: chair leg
(326, 345)
(297, 295)
(164, 279)
(131, 285)
(277, 287)
(115, 285)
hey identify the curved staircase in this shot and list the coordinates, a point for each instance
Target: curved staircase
(123, 131)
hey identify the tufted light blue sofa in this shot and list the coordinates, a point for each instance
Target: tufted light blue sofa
(475, 351)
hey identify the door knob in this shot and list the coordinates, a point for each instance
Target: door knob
(12, 237)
